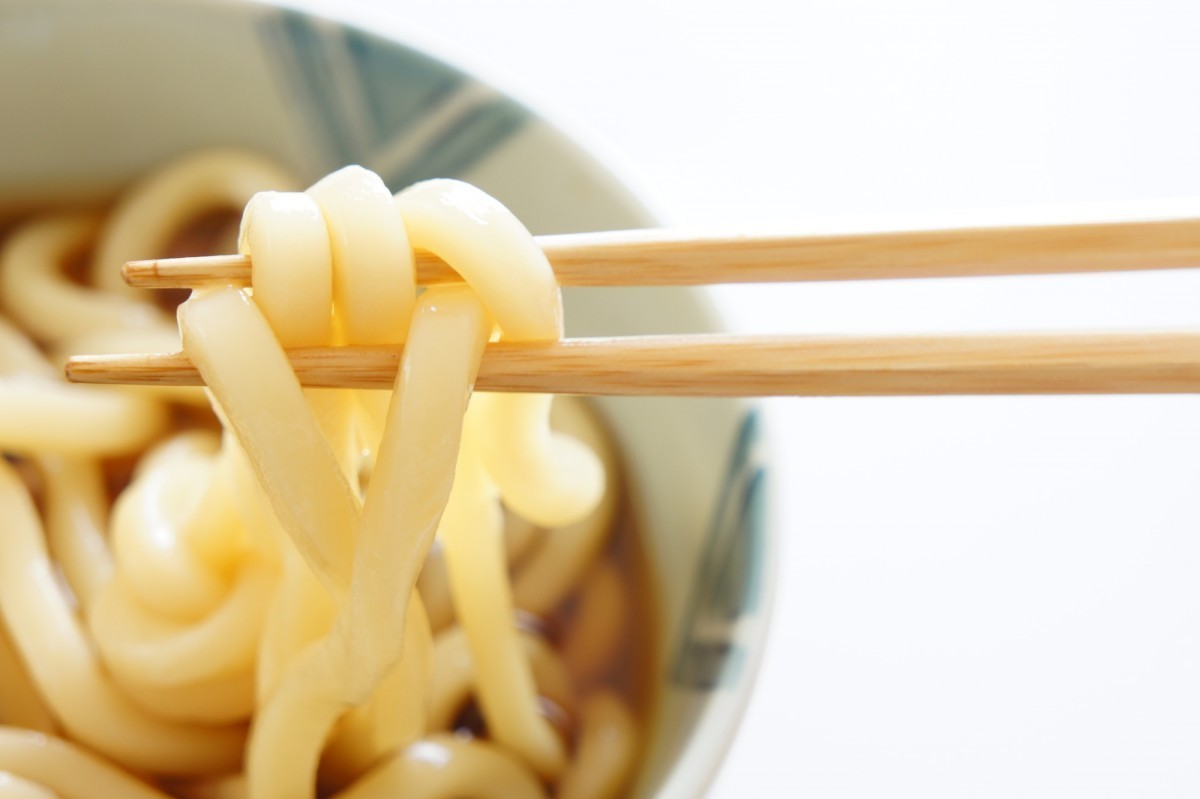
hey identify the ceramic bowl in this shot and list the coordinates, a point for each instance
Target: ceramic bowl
(96, 93)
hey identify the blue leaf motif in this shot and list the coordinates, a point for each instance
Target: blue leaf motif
(729, 583)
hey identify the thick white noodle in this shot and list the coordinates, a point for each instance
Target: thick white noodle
(19, 355)
(67, 769)
(12, 787)
(154, 209)
(400, 515)
(454, 677)
(396, 714)
(492, 251)
(76, 516)
(66, 670)
(444, 767)
(293, 266)
(143, 647)
(301, 612)
(549, 478)
(149, 530)
(230, 342)
(500, 261)
(505, 689)
(37, 294)
(373, 294)
(562, 556)
(40, 415)
(607, 750)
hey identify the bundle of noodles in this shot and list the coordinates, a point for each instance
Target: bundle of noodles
(246, 619)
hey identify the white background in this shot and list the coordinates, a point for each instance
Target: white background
(981, 597)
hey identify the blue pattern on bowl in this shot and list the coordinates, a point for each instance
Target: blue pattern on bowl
(729, 582)
(368, 100)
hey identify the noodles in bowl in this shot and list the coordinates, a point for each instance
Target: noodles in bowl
(264, 611)
(106, 92)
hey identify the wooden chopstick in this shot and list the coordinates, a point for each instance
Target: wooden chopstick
(772, 366)
(1109, 363)
(661, 258)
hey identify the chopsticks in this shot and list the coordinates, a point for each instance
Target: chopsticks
(755, 366)
(670, 258)
(1107, 363)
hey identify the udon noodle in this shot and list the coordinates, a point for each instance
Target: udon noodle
(315, 597)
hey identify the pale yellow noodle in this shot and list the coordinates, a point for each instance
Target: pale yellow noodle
(19, 355)
(371, 418)
(75, 505)
(151, 211)
(499, 260)
(39, 412)
(293, 267)
(413, 472)
(335, 410)
(505, 688)
(493, 252)
(520, 537)
(245, 497)
(65, 669)
(548, 478)
(69, 317)
(291, 728)
(143, 647)
(35, 292)
(301, 612)
(17, 788)
(434, 586)
(235, 520)
(544, 578)
(373, 294)
(219, 701)
(233, 347)
(454, 676)
(149, 530)
(400, 515)
(43, 415)
(67, 769)
(180, 627)
(76, 514)
(444, 767)
(606, 750)
(394, 717)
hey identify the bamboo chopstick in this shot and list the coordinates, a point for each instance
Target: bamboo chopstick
(660, 258)
(766, 366)
(1111, 363)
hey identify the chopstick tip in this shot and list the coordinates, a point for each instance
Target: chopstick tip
(77, 369)
(134, 272)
